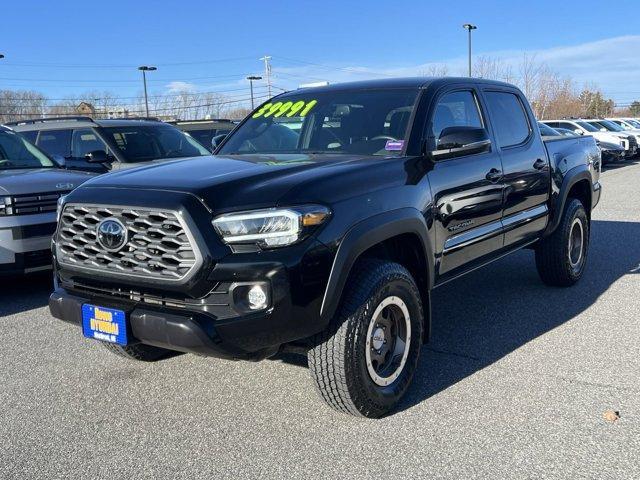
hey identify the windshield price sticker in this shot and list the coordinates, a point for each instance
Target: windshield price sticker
(289, 109)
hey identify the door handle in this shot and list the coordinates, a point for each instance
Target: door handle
(539, 164)
(494, 175)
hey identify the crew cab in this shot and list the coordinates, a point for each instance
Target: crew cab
(329, 238)
(101, 145)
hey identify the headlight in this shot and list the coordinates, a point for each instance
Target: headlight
(60, 206)
(276, 227)
(5, 206)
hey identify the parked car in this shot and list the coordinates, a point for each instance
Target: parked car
(30, 185)
(609, 152)
(607, 126)
(205, 130)
(626, 123)
(329, 240)
(102, 145)
(582, 127)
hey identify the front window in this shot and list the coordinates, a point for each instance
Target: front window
(633, 123)
(16, 152)
(143, 143)
(364, 122)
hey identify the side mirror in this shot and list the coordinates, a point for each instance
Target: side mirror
(217, 140)
(459, 141)
(578, 131)
(59, 160)
(97, 156)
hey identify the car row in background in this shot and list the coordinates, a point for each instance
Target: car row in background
(31, 183)
(609, 152)
(604, 131)
(96, 145)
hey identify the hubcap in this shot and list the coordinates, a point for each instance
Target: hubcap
(388, 341)
(576, 242)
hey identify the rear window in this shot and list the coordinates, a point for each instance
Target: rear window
(509, 118)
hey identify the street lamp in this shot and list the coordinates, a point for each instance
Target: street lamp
(251, 78)
(144, 69)
(469, 27)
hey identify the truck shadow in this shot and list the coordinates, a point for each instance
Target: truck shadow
(482, 317)
(19, 294)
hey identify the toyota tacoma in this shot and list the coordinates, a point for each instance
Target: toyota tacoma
(321, 225)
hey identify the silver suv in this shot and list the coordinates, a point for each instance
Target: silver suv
(30, 185)
(103, 145)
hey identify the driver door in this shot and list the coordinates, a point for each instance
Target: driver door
(467, 189)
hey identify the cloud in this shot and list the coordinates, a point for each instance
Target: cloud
(178, 86)
(612, 64)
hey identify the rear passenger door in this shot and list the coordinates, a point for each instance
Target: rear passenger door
(466, 188)
(525, 164)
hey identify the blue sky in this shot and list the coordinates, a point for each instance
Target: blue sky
(212, 46)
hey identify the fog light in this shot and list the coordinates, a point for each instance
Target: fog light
(257, 297)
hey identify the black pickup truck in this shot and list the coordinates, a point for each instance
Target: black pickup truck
(321, 225)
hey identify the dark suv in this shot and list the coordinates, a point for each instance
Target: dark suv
(102, 145)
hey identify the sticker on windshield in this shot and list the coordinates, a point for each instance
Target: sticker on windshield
(300, 108)
(394, 145)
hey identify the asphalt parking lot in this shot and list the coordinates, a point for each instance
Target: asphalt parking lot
(514, 384)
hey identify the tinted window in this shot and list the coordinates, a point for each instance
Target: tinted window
(55, 142)
(142, 143)
(363, 122)
(456, 109)
(588, 127)
(508, 118)
(85, 141)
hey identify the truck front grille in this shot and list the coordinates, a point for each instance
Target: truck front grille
(30, 204)
(158, 245)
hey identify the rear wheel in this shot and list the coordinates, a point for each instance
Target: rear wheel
(364, 362)
(140, 352)
(561, 257)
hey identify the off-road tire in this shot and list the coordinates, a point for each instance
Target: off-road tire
(139, 352)
(553, 252)
(337, 361)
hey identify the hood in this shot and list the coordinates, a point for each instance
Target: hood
(40, 180)
(233, 181)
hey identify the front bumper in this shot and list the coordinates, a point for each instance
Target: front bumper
(216, 325)
(25, 242)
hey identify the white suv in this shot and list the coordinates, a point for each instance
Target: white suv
(583, 127)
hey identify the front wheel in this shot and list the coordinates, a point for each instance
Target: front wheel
(364, 362)
(562, 256)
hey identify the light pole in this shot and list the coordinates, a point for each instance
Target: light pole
(251, 78)
(469, 27)
(144, 69)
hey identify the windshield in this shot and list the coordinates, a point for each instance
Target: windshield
(588, 127)
(362, 122)
(143, 143)
(17, 152)
(612, 127)
(633, 123)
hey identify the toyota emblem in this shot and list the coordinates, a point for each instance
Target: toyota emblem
(112, 234)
